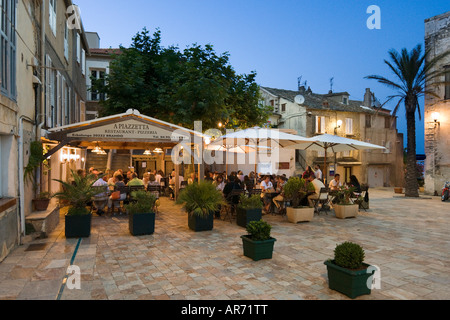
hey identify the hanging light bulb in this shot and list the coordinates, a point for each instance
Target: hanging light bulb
(158, 150)
(147, 153)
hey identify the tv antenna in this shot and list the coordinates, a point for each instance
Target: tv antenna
(331, 84)
(300, 84)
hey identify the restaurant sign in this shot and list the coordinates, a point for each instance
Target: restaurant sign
(131, 130)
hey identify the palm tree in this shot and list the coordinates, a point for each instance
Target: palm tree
(413, 71)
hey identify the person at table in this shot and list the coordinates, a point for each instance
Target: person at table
(307, 173)
(354, 183)
(318, 173)
(159, 175)
(100, 199)
(335, 184)
(118, 178)
(280, 189)
(248, 183)
(266, 190)
(193, 179)
(219, 183)
(318, 186)
(229, 187)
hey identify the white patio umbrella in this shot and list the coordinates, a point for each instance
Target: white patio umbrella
(335, 143)
(240, 149)
(262, 138)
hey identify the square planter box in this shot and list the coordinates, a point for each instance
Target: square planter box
(142, 224)
(78, 226)
(351, 283)
(296, 215)
(244, 217)
(198, 224)
(344, 212)
(258, 250)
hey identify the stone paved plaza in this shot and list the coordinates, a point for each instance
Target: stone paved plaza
(409, 240)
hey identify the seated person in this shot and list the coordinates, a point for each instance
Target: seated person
(135, 182)
(266, 187)
(335, 184)
(229, 187)
(101, 199)
(354, 183)
(318, 185)
(280, 189)
(118, 183)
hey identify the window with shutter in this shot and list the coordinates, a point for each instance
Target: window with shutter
(349, 126)
(52, 15)
(447, 82)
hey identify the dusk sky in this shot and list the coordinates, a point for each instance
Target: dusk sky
(280, 40)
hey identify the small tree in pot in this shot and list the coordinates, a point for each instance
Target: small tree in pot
(258, 244)
(249, 209)
(344, 208)
(141, 214)
(77, 196)
(201, 201)
(295, 190)
(347, 273)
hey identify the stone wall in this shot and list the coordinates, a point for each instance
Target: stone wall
(437, 134)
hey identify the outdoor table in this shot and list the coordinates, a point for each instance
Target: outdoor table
(270, 196)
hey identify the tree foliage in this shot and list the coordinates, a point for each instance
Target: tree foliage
(413, 71)
(180, 86)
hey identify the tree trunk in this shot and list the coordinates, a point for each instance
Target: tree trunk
(412, 185)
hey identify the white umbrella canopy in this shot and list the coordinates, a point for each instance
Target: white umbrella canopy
(260, 139)
(336, 144)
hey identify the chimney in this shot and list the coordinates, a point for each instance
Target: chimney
(368, 98)
(302, 89)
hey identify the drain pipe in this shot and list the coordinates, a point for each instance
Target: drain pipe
(21, 178)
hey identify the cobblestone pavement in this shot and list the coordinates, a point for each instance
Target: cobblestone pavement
(409, 240)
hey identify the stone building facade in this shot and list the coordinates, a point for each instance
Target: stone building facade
(437, 110)
(335, 113)
(42, 67)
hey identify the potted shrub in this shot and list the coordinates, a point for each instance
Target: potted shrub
(248, 210)
(77, 196)
(141, 214)
(295, 190)
(201, 201)
(347, 273)
(258, 244)
(42, 201)
(344, 208)
(36, 159)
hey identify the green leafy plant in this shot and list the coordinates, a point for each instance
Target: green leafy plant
(343, 196)
(44, 196)
(78, 194)
(349, 255)
(259, 230)
(35, 160)
(201, 199)
(144, 203)
(250, 203)
(296, 189)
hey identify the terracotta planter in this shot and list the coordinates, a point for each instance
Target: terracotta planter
(296, 215)
(41, 204)
(398, 190)
(345, 212)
